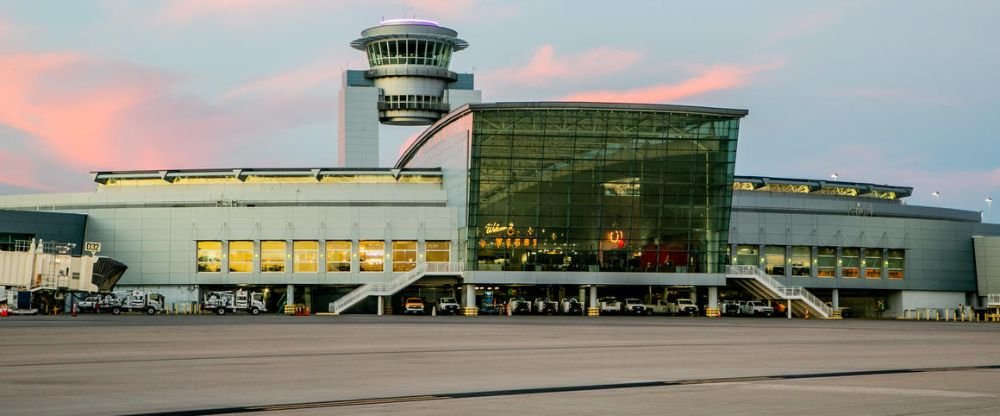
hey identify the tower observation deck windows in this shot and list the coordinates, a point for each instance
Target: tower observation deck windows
(409, 52)
(850, 259)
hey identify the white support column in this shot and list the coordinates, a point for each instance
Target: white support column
(694, 295)
(381, 305)
(470, 295)
(788, 309)
(583, 296)
(713, 297)
(593, 297)
(835, 302)
(290, 292)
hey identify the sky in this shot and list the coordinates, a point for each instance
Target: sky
(902, 93)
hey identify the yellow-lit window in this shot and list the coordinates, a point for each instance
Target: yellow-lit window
(438, 251)
(371, 255)
(850, 260)
(873, 263)
(241, 256)
(826, 261)
(272, 256)
(338, 256)
(404, 256)
(306, 258)
(209, 256)
(895, 260)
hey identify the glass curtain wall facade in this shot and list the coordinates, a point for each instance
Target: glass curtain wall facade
(579, 189)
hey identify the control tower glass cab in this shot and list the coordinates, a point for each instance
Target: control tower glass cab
(408, 62)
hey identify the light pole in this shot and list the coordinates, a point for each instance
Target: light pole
(937, 197)
(834, 175)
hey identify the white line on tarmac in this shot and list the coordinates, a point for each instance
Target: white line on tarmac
(870, 390)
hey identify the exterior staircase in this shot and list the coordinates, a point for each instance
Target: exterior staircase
(395, 285)
(763, 286)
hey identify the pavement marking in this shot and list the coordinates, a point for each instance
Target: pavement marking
(578, 388)
(889, 391)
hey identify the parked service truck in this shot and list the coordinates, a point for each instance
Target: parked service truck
(224, 301)
(123, 301)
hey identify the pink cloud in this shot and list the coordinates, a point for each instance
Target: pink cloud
(80, 113)
(296, 81)
(545, 66)
(184, 10)
(714, 78)
(19, 171)
(802, 26)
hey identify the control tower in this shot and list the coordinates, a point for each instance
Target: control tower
(408, 84)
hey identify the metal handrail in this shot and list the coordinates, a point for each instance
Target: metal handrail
(394, 285)
(785, 292)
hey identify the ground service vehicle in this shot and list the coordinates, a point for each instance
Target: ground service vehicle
(571, 306)
(757, 308)
(545, 306)
(729, 308)
(610, 305)
(224, 301)
(687, 306)
(519, 305)
(128, 301)
(89, 303)
(634, 306)
(662, 307)
(448, 305)
(413, 305)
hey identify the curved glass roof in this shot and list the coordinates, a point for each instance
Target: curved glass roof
(820, 187)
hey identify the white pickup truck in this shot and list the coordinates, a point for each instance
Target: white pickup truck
(610, 305)
(687, 306)
(634, 306)
(757, 308)
(662, 307)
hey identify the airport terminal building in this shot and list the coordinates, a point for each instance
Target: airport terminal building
(497, 200)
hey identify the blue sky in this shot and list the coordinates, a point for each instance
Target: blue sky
(890, 92)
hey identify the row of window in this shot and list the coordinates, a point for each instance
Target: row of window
(306, 257)
(410, 52)
(801, 261)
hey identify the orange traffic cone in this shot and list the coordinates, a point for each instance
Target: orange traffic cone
(73, 311)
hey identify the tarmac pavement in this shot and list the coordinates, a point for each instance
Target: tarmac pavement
(414, 365)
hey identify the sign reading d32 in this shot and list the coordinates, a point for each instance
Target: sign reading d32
(92, 247)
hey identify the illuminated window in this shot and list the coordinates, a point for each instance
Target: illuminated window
(896, 258)
(746, 255)
(850, 262)
(774, 260)
(306, 258)
(801, 261)
(371, 255)
(404, 256)
(241, 256)
(438, 251)
(209, 256)
(338, 256)
(826, 262)
(873, 263)
(272, 256)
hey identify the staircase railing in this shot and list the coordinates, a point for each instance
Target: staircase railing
(395, 285)
(780, 290)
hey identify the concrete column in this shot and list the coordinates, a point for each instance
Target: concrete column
(788, 309)
(583, 296)
(593, 297)
(290, 292)
(835, 293)
(470, 295)
(713, 297)
(381, 305)
(694, 295)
